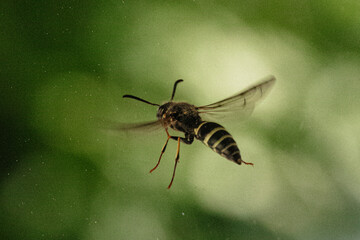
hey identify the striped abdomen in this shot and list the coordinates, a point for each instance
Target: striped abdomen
(219, 140)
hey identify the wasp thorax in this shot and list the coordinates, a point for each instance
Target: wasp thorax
(179, 116)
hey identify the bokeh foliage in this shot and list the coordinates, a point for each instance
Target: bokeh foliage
(66, 64)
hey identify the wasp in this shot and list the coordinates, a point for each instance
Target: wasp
(188, 119)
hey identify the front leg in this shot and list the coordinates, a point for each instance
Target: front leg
(188, 139)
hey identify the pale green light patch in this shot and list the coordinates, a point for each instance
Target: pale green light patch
(311, 184)
(216, 59)
(333, 109)
(313, 195)
(342, 140)
(226, 55)
(226, 187)
(334, 93)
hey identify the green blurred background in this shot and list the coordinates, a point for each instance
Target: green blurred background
(66, 64)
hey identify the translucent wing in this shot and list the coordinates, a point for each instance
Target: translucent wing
(243, 103)
(134, 127)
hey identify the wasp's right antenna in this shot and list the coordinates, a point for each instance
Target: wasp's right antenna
(140, 99)
(173, 93)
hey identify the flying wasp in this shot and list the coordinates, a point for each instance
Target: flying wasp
(187, 118)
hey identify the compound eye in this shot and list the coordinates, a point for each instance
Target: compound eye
(160, 113)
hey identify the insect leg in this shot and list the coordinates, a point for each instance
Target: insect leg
(176, 161)
(162, 150)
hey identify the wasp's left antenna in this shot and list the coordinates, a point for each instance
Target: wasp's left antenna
(173, 93)
(140, 99)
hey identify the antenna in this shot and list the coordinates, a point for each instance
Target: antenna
(173, 93)
(140, 99)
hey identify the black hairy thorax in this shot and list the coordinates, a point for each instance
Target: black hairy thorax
(179, 116)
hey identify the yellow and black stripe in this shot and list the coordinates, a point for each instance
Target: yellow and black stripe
(219, 140)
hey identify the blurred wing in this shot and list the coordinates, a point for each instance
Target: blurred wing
(145, 127)
(242, 103)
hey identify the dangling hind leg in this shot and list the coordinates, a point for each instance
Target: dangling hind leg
(176, 162)
(188, 140)
(162, 150)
